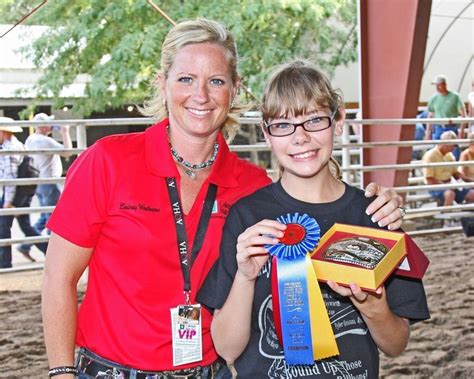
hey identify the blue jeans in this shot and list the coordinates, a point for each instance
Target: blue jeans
(25, 226)
(84, 356)
(48, 195)
(440, 129)
(459, 197)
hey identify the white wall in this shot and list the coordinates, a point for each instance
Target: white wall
(451, 57)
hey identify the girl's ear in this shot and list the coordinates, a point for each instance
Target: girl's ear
(265, 134)
(340, 122)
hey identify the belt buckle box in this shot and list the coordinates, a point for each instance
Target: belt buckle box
(337, 258)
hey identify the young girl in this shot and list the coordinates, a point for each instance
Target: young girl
(301, 112)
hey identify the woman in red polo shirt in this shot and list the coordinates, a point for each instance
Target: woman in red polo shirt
(145, 212)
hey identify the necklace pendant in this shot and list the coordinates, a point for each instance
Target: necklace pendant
(191, 174)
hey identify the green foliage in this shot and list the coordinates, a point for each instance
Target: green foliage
(117, 43)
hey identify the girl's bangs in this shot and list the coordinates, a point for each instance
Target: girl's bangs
(290, 98)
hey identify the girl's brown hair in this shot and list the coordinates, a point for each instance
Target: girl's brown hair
(297, 88)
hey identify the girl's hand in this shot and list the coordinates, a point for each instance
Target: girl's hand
(370, 304)
(251, 252)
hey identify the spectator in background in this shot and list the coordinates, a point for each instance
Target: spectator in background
(438, 175)
(420, 130)
(468, 155)
(470, 107)
(444, 104)
(49, 166)
(9, 170)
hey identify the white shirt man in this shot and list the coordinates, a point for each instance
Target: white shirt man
(49, 166)
(9, 170)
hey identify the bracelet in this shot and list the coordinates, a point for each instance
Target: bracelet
(62, 370)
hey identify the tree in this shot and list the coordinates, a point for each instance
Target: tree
(118, 43)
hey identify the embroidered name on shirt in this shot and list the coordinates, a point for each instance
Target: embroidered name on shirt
(138, 207)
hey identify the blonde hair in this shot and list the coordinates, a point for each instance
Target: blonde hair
(297, 88)
(448, 135)
(192, 32)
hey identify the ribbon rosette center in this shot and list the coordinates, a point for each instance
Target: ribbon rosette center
(294, 234)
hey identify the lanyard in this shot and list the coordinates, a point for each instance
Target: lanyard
(186, 261)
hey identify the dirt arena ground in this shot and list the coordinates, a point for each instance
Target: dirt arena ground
(442, 347)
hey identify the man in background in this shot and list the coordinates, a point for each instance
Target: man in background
(439, 175)
(48, 164)
(445, 104)
(9, 170)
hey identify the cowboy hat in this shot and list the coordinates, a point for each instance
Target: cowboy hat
(8, 128)
(43, 117)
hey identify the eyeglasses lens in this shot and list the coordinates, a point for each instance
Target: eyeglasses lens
(315, 124)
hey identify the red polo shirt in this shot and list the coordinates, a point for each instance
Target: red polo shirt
(115, 200)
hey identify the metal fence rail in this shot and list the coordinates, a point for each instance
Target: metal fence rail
(347, 149)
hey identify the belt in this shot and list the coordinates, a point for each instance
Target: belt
(100, 368)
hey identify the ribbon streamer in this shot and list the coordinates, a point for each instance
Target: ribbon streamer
(301, 319)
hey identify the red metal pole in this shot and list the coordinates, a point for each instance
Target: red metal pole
(392, 42)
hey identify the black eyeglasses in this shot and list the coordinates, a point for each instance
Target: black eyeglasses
(314, 124)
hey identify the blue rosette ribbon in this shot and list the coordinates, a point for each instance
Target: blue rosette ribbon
(296, 295)
(300, 249)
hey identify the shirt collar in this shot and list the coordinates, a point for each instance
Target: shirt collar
(159, 160)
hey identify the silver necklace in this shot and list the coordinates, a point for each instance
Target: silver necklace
(192, 168)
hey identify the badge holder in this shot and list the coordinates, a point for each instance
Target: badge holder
(187, 333)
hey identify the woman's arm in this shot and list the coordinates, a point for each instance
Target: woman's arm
(385, 208)
(230, 326)
(389, 331)
(64, 265)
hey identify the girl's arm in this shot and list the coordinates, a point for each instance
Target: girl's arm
(389, 331)
(230, 326)
(64, 265)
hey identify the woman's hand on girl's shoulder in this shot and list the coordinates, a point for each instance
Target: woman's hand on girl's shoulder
(386, 207)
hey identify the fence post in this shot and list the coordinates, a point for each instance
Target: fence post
(346, 152)
(81, 135)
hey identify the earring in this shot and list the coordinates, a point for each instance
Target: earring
(164, 103)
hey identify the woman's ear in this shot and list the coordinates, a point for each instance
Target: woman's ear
(236, 88)
(339, 123)
(161, 81)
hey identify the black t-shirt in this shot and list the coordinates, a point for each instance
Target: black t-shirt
(263, 356)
